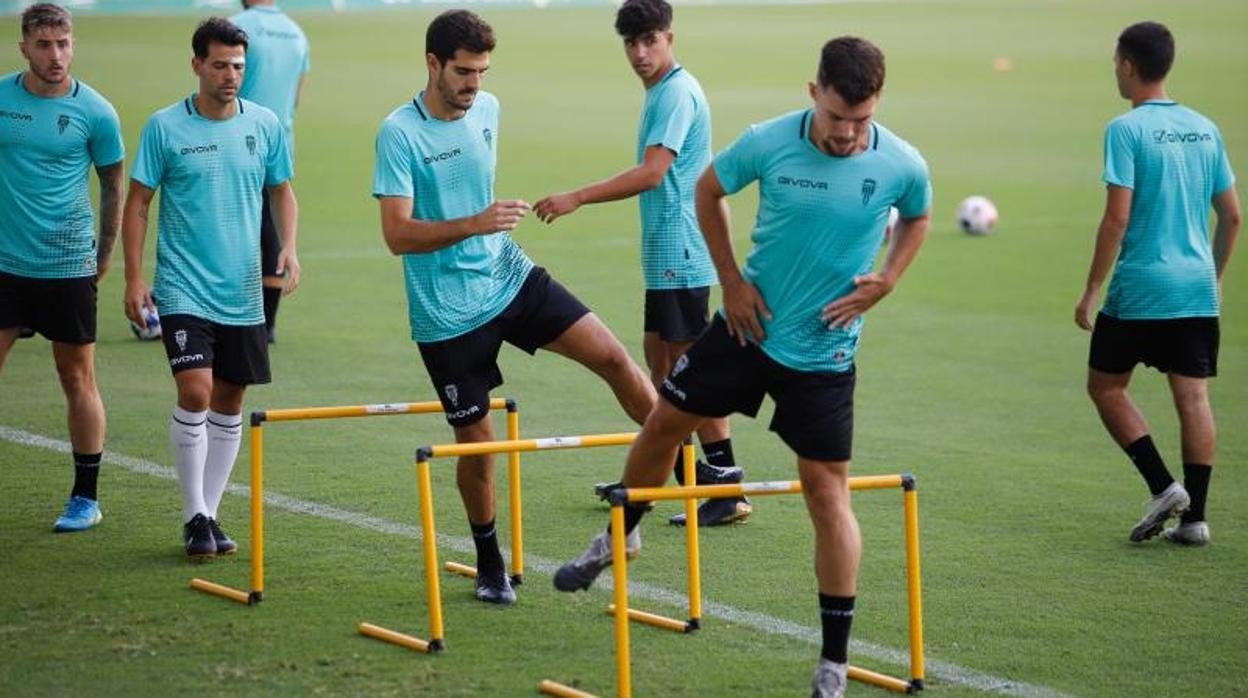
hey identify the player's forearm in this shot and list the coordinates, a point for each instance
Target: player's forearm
(286, 215)
(112, 190)
(415, 236)
(630, 182)
(1226, 206)
(907, 240)
(133, 233)
(713, 219)
(1108, 241)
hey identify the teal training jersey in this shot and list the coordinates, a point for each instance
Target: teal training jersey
(1174, 161)
(47, 148)
(447, 169)
(277, 58)
(820, 222)
(677, 117)
(210, 175)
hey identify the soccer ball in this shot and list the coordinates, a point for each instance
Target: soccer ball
(151, 330)
(977, 215)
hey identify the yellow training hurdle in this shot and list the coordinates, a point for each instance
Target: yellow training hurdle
(437, 640)
(619, 569)
(256, 593)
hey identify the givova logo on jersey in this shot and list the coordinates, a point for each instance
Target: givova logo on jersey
(1171, 136)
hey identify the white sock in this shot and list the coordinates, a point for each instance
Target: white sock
(188, 439)
(225, 432)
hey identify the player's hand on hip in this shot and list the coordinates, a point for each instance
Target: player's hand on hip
(743, 306)
(288, 266)
(502, 215)
(555, 206)
(1083, 311)
(868, 290)
(137, 297)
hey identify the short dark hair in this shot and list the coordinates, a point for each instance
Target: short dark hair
(219, 30)
(853, 67)
(458, 29)
(45, 14)
(638, 17)
(1150, 48)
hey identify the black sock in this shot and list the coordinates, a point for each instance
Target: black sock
(1148, 461)
(679, 468)
(86, 470)
(489, 558)
(837, 614)
(272, 296)
(632, 516)
(1196, 482)
(719, 453)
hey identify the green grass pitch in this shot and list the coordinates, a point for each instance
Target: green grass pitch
(970, 375)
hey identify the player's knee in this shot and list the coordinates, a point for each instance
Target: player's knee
(76, 380)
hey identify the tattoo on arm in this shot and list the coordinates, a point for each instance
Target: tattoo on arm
(112, 184)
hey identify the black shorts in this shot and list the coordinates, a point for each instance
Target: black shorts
(1184, 346)
(679, 314)
(237, 354)
(464, 369)
(717, 376)
(62, 310)
(270, 242)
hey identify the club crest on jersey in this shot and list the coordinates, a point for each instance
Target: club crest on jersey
(452, 394)
(681, 364)
(180, 338)
(488, 135)
(868, 188)
(62, 123)
(251, 145)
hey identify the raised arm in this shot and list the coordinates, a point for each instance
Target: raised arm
(631, 182)
(407, 235)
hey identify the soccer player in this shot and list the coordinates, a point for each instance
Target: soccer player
(790, 324)
(673, 148)
(1164, 165)
(210, 154)
(53, 128)
(469, 285)
(277, 69)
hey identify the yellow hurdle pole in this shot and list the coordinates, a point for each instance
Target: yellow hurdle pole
(524, 445)
(517, 510)
(910, 503)
(219, 590)
(619, 573)
(658, 494)
(430, 536)
(693, 555)
(877, 679)
(374, 410)
(654, 619)
(554, 688)
(257, 508)
(379, 633)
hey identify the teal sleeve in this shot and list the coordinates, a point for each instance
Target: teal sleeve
(739, 163)
(105, 144)
(392, 174)
(278, 166)
(918, 196)
(149, 164)
(1119, 156)
(674, 112)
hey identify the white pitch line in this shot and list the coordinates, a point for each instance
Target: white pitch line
(943, 671)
